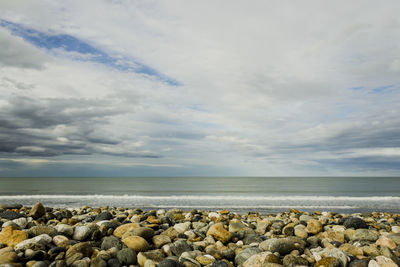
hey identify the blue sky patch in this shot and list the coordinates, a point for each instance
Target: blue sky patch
(85, 51)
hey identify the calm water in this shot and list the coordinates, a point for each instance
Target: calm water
(351, 194)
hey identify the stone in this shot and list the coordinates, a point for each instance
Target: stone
(305, 218)
(37, 211)
(245, 254)
(144, 232)
(61, 241)
(64, 229)
(283, 245)
(257, 259)
(42, 229)
(252, 239)
(40, 264)
(384, 241)
(352, 250)
(127, 256)
(358, 263)
(364, 235)
(328, 262)
(235, 227)
(371, 251)
(11, 236)
(98, 262)
(332, 236)
(137, 243)
(154, 255)
(218, 232)
(396, 229)
(314, 226)
(8, 257)
(170, 263)
(355, 222)
(43, 239)
(161, 240)
(290, 260)
(395, 238)
(21, 222)
(219, 264)
(336, 253)
(84, 248)
(81, 233)
(180, 246)
(205, 260)
(182, 227)
(121, 230)
(105, 215)
(300, 231)
(10, 215)
(385, 261)
(111, 242)
(80, 263)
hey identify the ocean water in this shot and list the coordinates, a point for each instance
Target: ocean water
(241, 194)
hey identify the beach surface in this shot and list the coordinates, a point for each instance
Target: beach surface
(41, 236)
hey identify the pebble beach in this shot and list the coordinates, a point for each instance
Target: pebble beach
(41, 236)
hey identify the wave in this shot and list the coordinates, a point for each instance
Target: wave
(208, 197)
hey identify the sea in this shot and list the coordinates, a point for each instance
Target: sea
(238, 194)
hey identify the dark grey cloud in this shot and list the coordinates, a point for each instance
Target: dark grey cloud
(53, 127)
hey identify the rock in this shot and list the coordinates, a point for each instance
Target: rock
(110, 242)
(84, 248)
(235, 227)
(10, 215)
(385, 262)
(37, 211)
(80, 263)
(42, 229)
(245, 254)
(257, 259)
(355, 222)
(385, 251)
(205, 260)
(252, 239)
(290, 260)
(64, 229)
(384, 241)
(182, 227)
(219, 264)
(137, 243)
(21, 222)
(81, 233)
(10, 206)
(43, 239)
(364, 235)
(98, 262)
(58, 263)
(283, 245)
(352, 250)
(121, 230)
(396, 229)
(113, 262)
(328, 262)
(332, 236)
(218, 232)
(395, 238)
(127, 256)
(106, 215)
(161, 240)
(336, 253)
(155, 256)
(180, 246)
(40, 264)
(305, 218)
(8, 257)
(144, 232)
(358, 263)
(11, 236)
(314, 226)
(170, 263)
(61, 241)
(300, 231)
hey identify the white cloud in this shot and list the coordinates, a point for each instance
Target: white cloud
(265, 86)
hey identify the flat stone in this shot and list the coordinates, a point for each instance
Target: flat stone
(328, 262)
(121, 230)
(180, 246)
(219, 232)
(144, 232)
(384, 241)
(42, 229)
(364, 235)
(283, 245)
(64, 229)
(355, 222)
(155, 256)
(161, 240)
(111, 242)
(43, 239)
(10, 215)
(245, 254)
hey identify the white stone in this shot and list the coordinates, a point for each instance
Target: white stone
(81, 232)
(21, 222)
(65, 229)
(182, 227)
(41, 239)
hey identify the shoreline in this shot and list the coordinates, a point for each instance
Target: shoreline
(41, 236)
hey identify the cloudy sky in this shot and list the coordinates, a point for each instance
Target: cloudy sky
(162, 88)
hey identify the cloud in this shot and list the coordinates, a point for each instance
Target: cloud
(16, 53)
(269, 88)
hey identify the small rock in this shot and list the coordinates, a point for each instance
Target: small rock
(64, 229)
(144, 232)
(106, 215)
(283, 245)
(364, 235)
(355, 222)
(182, 227)
(61, 241)
(290, 260)
(127, 256)
(180, 246)
(37, 211)
(328, 262)
(43, 239)
(385, 261)
(205, 260)
(21, 222)
(314, 226)
(110, 242)
(154, 255)
(42, 229)
(121, 230)
(384, 241)
(218, 232)
(81, 233)
(245, 254)
(170, 263)
(8, 257)
(11, 236)
(10, 215)
(161, 240)
(358, 263)
(137, 243)
(257, 259)
(300, 231)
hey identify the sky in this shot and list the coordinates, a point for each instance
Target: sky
(199, 88)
